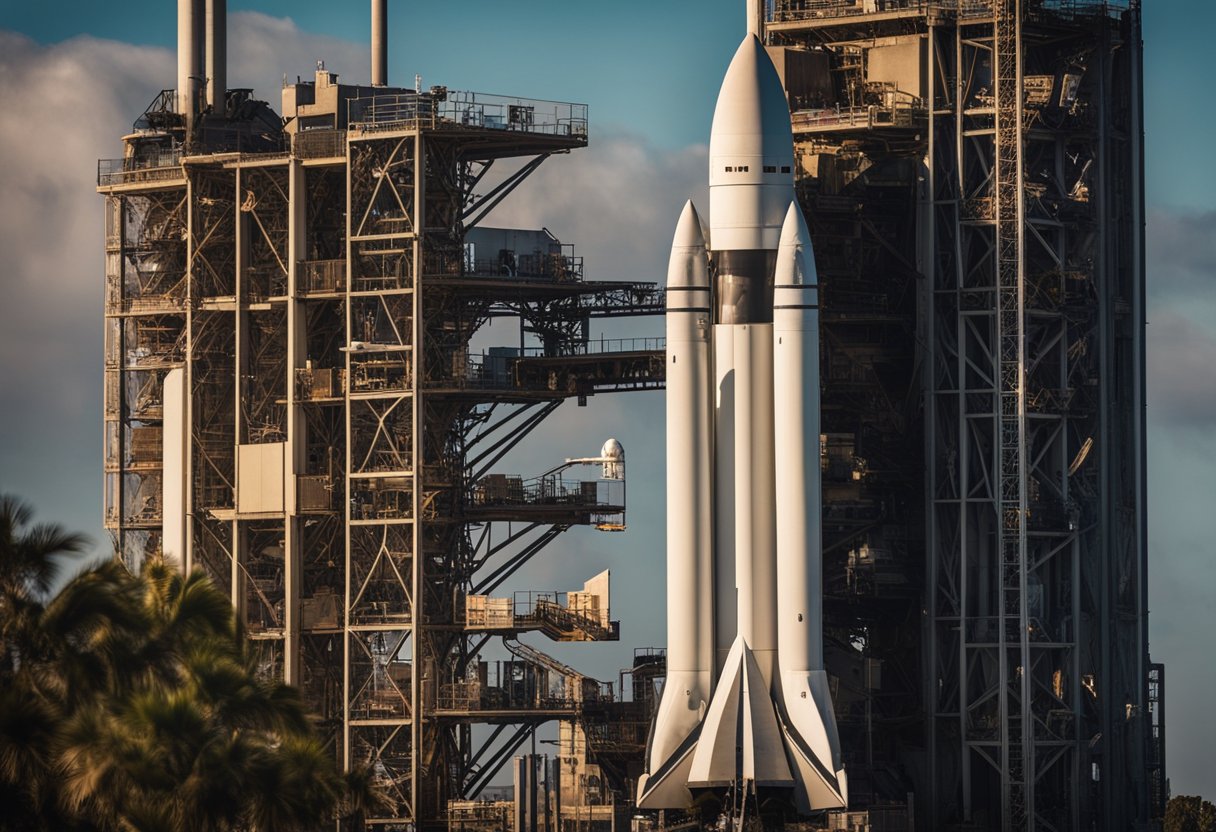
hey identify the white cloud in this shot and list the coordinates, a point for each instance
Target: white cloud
(263, 50)
(65, 105)
(1181, 378)
(1181, 370)
(617, 200)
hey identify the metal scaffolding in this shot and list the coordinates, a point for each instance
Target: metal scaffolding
(315, 289)
(1018, 159)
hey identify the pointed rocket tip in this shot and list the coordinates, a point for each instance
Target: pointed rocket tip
(793, 229)
(795, 255)
(689, 233)
(689, 263)
(752, 104)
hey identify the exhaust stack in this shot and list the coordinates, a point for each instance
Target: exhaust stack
(189, 56)
(379, 43)
(755, 18)
(217, 54)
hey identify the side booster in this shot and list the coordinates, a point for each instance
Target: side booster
(746, 703)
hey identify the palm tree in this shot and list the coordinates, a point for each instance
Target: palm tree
(31, 563)
(135, 703)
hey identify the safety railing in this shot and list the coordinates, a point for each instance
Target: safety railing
(493, 370)
(468, 109)
(556, 267)
(600, 346)
(795, 10)
(502, 490)
(319, 144)
(790, 10)
(155, 167)
(862, 118)
(497, 112)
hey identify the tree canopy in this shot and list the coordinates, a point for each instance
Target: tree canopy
(1187, 813)
(133, 702)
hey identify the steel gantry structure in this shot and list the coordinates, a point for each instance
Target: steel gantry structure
(293, 406)
(1009, 134)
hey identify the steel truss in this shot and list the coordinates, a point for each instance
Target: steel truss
(1022, 534)
(1028, 231)
(423, 425)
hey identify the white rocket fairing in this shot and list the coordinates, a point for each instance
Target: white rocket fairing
(746, 702)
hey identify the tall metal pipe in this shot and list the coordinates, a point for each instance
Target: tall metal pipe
(217, 53)
(755, 18)
(379, 43)
(189, 57)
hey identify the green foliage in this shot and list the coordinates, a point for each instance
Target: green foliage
(134, 703)
(1187, 813)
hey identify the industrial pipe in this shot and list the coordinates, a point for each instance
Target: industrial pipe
(379, 43)
(217, 54)
(755, 18)
(189, 57)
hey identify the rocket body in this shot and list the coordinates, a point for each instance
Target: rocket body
(746, 703)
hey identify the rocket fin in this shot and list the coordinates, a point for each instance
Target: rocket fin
(667, 786)
(808, 725)
(740, 730)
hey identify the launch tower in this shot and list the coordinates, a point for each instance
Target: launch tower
(293, 404)
(972, 172)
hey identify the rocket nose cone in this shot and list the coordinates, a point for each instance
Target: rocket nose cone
(752, 100)
(689, 263)
(689, 233)
(793, 229)
(795, 256)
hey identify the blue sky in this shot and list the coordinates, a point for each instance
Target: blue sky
(650, 72)
(645, 66)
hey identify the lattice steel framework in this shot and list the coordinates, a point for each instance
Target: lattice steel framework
(321, 306)
(1029, 238)
(1030, 518)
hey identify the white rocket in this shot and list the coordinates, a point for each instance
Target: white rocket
(746, 702)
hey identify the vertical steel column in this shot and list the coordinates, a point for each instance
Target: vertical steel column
(115, 388)
(963, 437)
(929, 267)
(240, 356)
(297, 439)
(189, 370)
(1017, 725)
(418, 614)
(346, 503)
(1107, 541)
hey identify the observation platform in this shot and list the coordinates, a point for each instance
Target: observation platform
(548, 499)
(583, 369)
(487, 126)
(559, 616)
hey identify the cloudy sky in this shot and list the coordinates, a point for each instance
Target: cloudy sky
(75, 74)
